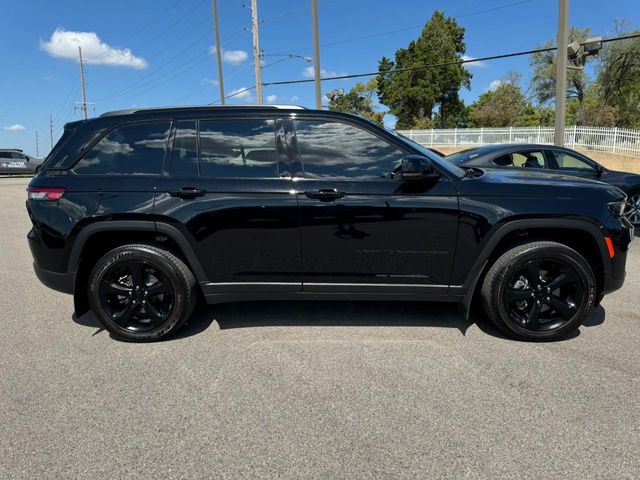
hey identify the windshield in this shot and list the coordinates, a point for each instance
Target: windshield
(462, 156)
(449, 167)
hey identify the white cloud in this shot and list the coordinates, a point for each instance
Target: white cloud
(234, 57)
(209, 81)
(495, 84)
(242, 93)
(272, 98)
(295, 98)
(473, 64)
(16, 127)
(64, 44)
(309, 73)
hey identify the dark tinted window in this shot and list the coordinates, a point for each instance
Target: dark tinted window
(337, 150)
(238, 148)
(566, 161)
(528, 159)
(504, 160)
(134, 149)
(184, 160)
(12, 155)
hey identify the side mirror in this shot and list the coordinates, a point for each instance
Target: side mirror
(599, 170)
(416, 168)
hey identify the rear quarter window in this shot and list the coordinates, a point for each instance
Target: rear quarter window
(132, 149)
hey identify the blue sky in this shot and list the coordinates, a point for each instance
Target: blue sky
(169, 61)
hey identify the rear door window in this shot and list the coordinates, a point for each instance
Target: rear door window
(528, 159)
(133, 149)
(238, 148)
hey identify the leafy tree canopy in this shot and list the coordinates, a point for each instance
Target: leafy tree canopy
(413, 96)
(359, 101)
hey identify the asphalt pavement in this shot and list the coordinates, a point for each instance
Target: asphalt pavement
(309, 390)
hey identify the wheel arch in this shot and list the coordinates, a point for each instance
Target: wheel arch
(581, 235)
(96, 239)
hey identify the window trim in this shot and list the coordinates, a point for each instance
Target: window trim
(98, 138)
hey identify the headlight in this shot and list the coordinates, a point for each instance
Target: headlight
(617, 208)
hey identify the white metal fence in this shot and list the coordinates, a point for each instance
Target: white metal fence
(616, 140)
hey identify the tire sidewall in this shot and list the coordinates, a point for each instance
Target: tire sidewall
(554, 253)
(153, 259)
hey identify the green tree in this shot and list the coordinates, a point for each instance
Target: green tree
(359, 101)
(414, 96)
(543, 79)
(504, 106)
(618, 78)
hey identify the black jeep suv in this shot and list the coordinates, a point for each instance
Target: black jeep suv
(138, 213)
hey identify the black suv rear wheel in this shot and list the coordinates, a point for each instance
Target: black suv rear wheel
(539, 291)
(141, 293)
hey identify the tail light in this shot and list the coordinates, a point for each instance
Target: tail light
(44, 193)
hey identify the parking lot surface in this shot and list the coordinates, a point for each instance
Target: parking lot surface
(309, 390)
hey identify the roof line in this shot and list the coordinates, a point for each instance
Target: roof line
(130, 111)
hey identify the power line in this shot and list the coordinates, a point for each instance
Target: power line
(412, 27)
(290, 12)
(239, 92)
(199, 59)
(141, 81)
(436, 65)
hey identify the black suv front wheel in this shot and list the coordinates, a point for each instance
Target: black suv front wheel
(539, 291)
(141, 293)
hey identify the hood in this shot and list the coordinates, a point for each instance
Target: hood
(533, 183)
(625, 180)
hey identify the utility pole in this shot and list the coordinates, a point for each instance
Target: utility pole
(37, 151)
(218, 50)
(51, 131)
(84, 96)
(257, 54)
(561, 71)
(316, 53)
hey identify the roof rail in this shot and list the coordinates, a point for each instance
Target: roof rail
(199, 107)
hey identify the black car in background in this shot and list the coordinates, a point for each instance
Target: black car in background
(555, 160)
(14, 161)
(139, 213)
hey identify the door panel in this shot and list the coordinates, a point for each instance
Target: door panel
(377, 233)
(370, 229)
(241, 230)
(244, 229)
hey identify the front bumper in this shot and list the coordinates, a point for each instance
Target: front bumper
(622, 233)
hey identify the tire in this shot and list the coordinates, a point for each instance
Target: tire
(541, 306)
(141, 293)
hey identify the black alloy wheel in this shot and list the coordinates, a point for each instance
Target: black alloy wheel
(544, 294)
(539, 290)
(141, 293)
(137, 296)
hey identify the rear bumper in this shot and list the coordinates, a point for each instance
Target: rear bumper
(61, 282)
